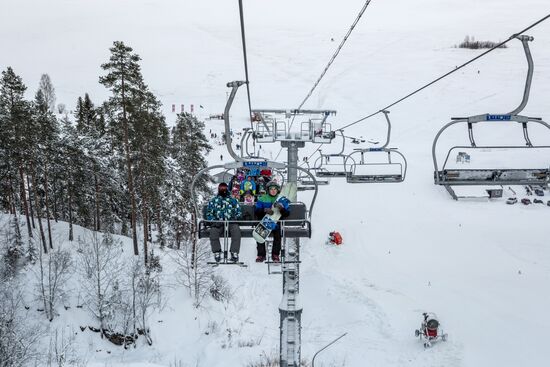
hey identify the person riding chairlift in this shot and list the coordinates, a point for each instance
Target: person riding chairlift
(222, 208)
(248, 185)
(264, 206)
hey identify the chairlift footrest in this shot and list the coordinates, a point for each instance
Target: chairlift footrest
(238, 263)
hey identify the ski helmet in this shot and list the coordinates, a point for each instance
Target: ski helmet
(271, 184)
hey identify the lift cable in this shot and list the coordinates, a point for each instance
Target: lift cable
(330, 62)
(448, 73)
(438, 79)
(335, 53)
(246, 67)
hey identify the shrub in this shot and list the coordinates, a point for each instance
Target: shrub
(471, 43)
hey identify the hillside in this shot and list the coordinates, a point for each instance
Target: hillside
(482, 266)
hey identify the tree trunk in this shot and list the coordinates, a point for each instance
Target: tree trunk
(145, 232)
(30, 202)
(47, 205)
(54, 200)
(194, 253)
(96, 199)
(11, 207)
(24, 198)
(70, 192)
(42, 289)
(150, 229)
(159, 226)
(11, 197)
(38, 209)
(129, 168)
(98, 267)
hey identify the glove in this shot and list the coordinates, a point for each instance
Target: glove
(278, 206)
(268, 211)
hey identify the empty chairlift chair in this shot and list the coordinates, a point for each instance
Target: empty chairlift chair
(377, 165)
(487, 175)
(391, 168)
(332, 165)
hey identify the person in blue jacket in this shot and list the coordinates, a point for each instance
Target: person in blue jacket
(265, 205)
(248, 185)
(221, 208)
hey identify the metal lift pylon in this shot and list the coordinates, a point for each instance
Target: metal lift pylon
(315, 131)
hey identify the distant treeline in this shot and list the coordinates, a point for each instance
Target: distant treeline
(471, 43)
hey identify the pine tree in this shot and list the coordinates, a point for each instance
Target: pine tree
(15, 135)
(45, 142)
(123, 80)
(86, 117)
(151, 143)
(188, 150)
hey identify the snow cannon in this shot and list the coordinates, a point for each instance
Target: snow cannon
(334, 238)
(429, 330)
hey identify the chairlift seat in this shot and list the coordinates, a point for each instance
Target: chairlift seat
(306, 182)
(374, 178)
(296, 225)
(493, 177)
(325, 173)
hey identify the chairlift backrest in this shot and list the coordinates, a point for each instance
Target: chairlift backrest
(393, 170)
(494, 176)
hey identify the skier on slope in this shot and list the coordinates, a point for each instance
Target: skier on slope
(264, 206)
(221, 208)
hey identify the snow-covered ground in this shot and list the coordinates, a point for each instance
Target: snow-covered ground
(483, 267)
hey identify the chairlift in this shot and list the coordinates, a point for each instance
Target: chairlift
(296, 225)
(245, 154)
(332, 165)
(275, 125)
(306, 183)
(391, 168)
(449, 177)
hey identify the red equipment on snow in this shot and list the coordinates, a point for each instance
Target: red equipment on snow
(335, 238)
(429, 330)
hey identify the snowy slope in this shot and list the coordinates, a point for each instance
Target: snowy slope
(483, 267)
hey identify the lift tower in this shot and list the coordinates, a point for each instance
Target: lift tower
(274, 125)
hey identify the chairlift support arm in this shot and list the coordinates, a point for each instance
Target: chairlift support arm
(525, 42)
(512, 116)
(234, 87)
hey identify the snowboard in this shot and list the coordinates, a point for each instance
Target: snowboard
(269, 221)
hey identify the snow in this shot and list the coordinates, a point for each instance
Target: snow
(483, 267)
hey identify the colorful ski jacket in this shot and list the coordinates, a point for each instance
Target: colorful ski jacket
(248, 186)
(266, 202)
(223, 208)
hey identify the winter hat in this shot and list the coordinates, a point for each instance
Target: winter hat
(271, 184)
(222, 189)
